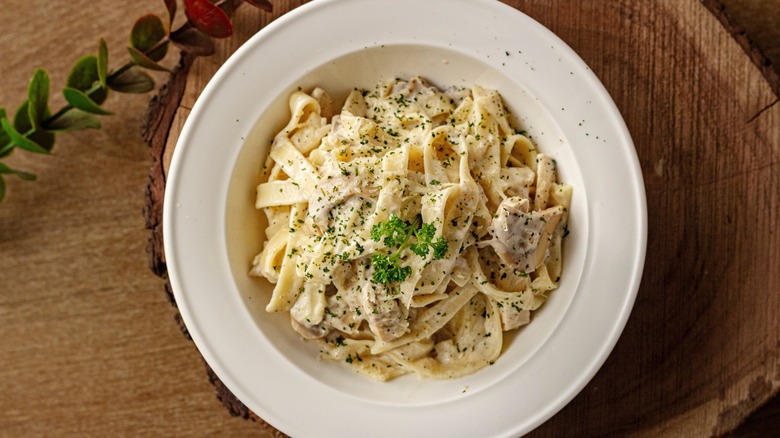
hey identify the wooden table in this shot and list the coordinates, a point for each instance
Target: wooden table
(89, 344)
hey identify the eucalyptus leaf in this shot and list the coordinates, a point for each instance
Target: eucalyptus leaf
(160, 52)
(84, 74)
(38, 97)
(147, 32)
(75, 120)
(4, 169)
(79, 100)
(83, 77)
(171, 6)
(23, 124)
(193, 41)
(133, 80)
(102, 63)
(144, 61)
(20, 140)
(25, 175)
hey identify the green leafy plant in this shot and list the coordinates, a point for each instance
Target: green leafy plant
(396, 232)
(34, 127)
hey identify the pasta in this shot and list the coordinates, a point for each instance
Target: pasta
(409, 231)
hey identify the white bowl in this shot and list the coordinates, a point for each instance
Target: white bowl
(212, 230)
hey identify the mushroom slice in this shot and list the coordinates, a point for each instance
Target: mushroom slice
(521, 237)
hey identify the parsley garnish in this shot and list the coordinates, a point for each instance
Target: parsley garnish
(387, 269)
(396, 232)
(393, 232)
(424, 237)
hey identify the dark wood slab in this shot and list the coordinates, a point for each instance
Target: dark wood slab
(701, 350)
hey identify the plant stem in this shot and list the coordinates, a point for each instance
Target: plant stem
(413, 226)
(95, 88)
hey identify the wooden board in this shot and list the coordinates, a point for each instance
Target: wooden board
(700, 351)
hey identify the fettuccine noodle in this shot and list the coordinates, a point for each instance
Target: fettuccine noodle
(410, 153)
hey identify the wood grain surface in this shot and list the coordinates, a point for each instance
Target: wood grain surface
(90, 346)
(88, 341)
